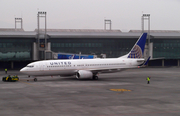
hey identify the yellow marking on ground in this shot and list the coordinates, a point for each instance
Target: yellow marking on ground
(120, 90)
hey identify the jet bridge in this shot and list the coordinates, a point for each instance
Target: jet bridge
(73, 56)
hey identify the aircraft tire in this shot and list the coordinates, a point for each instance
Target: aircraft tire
(35, 79)
(95, 77)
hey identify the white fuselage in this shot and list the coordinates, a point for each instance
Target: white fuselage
(70, 67)
(84, 68)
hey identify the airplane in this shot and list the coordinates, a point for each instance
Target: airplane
(89, 68)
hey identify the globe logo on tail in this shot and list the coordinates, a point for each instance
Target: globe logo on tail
(136, 52)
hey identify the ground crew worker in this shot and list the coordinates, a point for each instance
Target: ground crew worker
(148, 80)
(6, 70)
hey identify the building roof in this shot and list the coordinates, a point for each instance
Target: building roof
(12, 34)
(89, 33)
(160, 33)
(77, 30)
(10, 29)
(157, 31)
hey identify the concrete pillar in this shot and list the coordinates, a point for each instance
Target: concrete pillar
(151, 50)
(49, 46)
(146, 51)
(12, 65)
(163, 63)
(35, 51)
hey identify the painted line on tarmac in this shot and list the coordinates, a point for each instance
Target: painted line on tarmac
(121, 90)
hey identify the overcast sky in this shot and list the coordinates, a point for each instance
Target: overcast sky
(90, 14)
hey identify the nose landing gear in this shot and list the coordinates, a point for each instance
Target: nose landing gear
(35, 79)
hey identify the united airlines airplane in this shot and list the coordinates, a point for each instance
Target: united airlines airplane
(89, 68)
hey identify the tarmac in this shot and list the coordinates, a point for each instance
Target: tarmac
(114, 94)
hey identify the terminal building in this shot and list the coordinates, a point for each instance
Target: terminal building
(19, 47)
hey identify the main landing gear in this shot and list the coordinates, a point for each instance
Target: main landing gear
(95, 77)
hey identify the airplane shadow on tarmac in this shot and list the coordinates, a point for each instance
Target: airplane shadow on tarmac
(72, 78)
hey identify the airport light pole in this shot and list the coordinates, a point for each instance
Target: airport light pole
(143, 18)
(18, 20)
(107, 22)
(42, 15)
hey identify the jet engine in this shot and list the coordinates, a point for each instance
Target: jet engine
(84, 74)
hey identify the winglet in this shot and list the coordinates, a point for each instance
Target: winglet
(147, 61)
(72, 57)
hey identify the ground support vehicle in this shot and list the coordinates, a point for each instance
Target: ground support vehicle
(10, 79)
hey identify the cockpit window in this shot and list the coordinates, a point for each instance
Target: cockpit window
(30, 66)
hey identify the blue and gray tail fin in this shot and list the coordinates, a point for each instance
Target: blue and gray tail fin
(138, 49)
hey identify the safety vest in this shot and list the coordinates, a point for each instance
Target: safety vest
(148, 78)
(5, 69)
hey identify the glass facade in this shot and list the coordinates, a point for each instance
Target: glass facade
(16, 49)
(166, 48)
(20, 49)
(108, 46)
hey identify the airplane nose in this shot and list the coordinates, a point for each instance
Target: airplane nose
(22, 70)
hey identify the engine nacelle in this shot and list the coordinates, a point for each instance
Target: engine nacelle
(84, 74)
